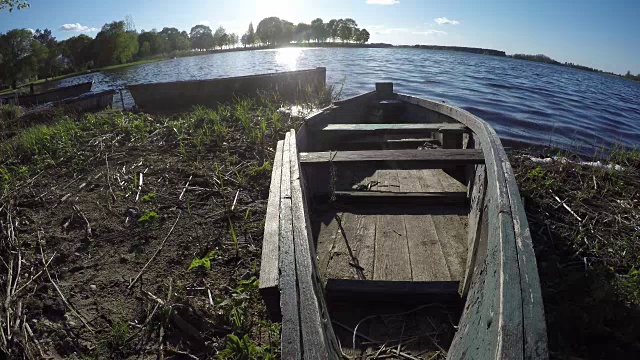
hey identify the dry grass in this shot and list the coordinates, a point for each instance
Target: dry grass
(585, 224)
(104, 216)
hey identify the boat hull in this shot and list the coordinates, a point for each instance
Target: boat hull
(178, 96)
(55, 94)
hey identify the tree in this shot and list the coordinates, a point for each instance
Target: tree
(77, 50)
(201, 37)
(158, 43)
(19, 61)
(233, 40)
(220, 37)
(319, 30)
(176, 40)
(251, 35)
(115, 45)
(11, 4)
(49, 61)
(145, 49)
(361, 36)
(244, 40)
(346, 29)
(332, 29)
(302, 32)
(269, 30)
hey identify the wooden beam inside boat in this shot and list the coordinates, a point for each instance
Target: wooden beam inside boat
(401, 159)
(381, 290)
(395, 128)
(386, 197)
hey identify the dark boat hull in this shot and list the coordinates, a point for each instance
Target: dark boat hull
(89, 102)
(182, 95)
(55, 94)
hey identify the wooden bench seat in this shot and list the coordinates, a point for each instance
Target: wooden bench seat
(400, 159)
(395, 128)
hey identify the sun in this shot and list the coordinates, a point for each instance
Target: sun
(284, 9)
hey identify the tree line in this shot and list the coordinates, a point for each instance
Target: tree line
(547, 60)
(276, 31)
(27, 55)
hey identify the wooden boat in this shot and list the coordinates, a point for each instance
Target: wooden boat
(89, 102)
(178, 96)
(395, 222)
(55, 94)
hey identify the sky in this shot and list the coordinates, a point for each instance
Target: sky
(602, 34)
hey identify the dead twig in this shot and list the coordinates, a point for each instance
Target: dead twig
(87, 230)
(64, 299)
(567, 207)
(155, 253)
(185, 188)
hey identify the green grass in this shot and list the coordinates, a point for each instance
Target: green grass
(148, 217)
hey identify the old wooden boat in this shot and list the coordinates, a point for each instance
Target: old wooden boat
(394, 226)
(89, 102)
(55, 94)
(170, 97)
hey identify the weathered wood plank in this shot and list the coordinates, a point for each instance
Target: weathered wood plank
(392, 261)
(290, 334)
(269, 269)
(452, 240)
(365, 233)
(535, 331)
(427, 257)
(327, 237)
(396, 128)
(414, 159)
(318, 339)
(397, 198)
(343, 260)
(474, 227)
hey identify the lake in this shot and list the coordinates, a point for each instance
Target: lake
(527, 103)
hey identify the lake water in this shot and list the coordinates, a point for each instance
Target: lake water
(526, 102)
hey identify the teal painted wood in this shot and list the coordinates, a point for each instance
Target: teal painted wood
(503, 315)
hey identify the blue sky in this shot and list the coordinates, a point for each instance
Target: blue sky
(603, 34)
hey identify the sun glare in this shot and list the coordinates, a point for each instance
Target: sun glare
(288, 57)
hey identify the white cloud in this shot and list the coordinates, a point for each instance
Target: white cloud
(204, 22)
(430, 32)
(445, 21)
(383, 2)
(77, 28)
(30, 29)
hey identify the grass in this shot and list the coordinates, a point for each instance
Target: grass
(97, 158)
(588, 262)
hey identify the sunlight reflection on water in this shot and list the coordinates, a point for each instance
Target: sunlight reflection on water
(288, 57)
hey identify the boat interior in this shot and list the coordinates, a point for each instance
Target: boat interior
(390, 236)
(397, 225)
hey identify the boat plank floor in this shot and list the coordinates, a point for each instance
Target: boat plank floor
(395, 243)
